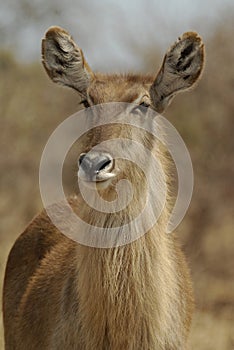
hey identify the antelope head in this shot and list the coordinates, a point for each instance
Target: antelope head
(65, 64)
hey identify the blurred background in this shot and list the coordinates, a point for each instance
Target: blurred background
(126, 36)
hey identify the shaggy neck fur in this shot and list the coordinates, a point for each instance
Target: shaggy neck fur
(123, 286)
(123, 293)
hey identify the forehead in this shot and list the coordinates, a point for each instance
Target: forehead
(118, 88)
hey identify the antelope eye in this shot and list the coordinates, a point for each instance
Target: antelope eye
(138, 109)
(144, 104)
(85, 103)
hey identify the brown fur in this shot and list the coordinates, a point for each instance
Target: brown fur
(59, 294)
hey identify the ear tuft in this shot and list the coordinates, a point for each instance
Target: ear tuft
(186, 57)
(64, 61)
(181, 69)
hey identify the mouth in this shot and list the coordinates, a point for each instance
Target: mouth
(98, 181)
(100, 177)
(104, 176)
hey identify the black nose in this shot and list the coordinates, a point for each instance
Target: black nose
(93, 163)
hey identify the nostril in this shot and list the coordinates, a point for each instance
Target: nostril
(104, 164)
(81, 158)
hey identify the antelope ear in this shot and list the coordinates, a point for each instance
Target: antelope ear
(64, 61)
(181, 68)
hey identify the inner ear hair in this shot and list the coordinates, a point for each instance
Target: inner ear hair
(64, 61)
(181, 69)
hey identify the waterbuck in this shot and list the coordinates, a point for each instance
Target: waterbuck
(62, 295)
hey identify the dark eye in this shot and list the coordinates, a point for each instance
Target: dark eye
(85, 103)
(144, 104)
(138, 109)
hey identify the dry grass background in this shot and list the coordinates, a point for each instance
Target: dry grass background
(31, 107)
